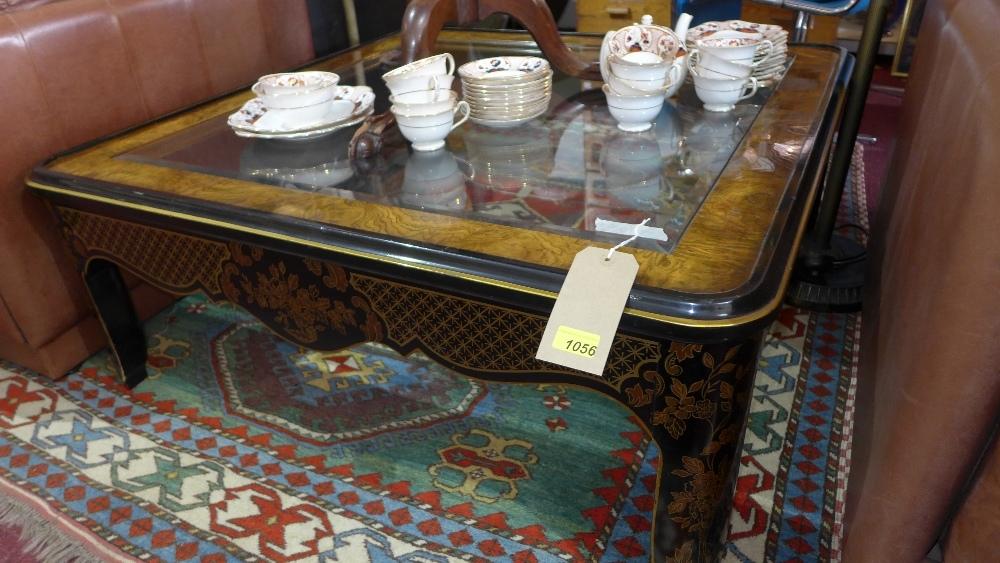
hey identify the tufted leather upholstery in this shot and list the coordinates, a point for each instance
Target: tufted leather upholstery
(74, 70)
(929, 390)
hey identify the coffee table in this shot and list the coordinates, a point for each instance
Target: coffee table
(460, 253)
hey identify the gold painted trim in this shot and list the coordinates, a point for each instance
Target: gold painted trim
(681, 321)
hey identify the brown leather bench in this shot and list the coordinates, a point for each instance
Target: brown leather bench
(74, 70)
(928, 397)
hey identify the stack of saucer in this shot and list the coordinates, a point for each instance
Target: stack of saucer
(506, 91)
(766, 72)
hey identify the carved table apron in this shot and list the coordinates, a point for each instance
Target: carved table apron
(689, 387)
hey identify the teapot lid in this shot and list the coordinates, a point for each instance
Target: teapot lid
(647, 21)
(682, 25)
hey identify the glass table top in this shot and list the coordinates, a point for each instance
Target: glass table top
(559, 172)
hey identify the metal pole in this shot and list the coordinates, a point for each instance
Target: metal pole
(802, 22)
(840, 164)
(351, 19)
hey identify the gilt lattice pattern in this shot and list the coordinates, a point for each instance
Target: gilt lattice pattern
(483, 337)
(173, 260)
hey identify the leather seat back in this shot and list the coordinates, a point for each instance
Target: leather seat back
(929, 388)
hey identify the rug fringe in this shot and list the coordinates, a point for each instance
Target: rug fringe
(42, 538)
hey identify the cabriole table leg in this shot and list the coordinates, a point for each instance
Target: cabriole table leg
(114, 308)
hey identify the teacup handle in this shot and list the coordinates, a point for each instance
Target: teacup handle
(674, 74)
(464, 104)
(770, 49)
(753, 89)
(451, 64)
(691, 64)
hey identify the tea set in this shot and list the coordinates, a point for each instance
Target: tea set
(641, 64)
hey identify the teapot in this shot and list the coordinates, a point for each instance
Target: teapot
(656, 39)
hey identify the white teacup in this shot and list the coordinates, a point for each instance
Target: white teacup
(633, 113)
(632, 87)
(424, 102)
(406, 83)
(739, 50)
(431, 66)
(703, 63)
(639, 66)
(292, 98)
(722, 94)
(427, 132)
(296, 82)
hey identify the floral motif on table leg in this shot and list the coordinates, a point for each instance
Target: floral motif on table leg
(693, 403)
(306, 301)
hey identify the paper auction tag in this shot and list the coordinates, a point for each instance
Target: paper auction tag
(588, 309)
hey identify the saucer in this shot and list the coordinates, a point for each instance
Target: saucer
(504, 70)
(302, 135)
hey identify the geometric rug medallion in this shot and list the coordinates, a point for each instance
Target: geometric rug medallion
(326, 397)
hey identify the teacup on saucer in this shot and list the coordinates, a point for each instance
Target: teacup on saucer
(722, 94)
(633, 113)
(427, 132)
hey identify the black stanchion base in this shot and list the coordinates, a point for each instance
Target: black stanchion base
(836, 286)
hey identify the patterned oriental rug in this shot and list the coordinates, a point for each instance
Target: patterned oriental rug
(242, 447)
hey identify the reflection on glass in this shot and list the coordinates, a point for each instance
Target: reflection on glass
(433, 180)
(558, 173)
(304, 164)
